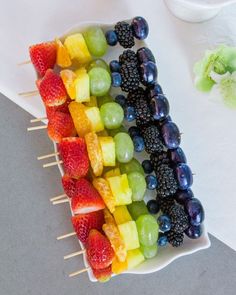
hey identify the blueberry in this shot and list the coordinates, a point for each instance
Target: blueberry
(147, 166)
(140, 27)
(183, 195)
(184, 176)
(194, 231)
(153, 207)
(111, 38)
(177, 156)
(129, 113)
(155, 90)
(151, 181)
(195, 211)
(134, 131)
(144, 54)
(115, 79)
(148, 73)
(138, 143)
(159, 107)
(162, 240)
(121, 100)
(164, 223)
(171, 135)
(114, 66)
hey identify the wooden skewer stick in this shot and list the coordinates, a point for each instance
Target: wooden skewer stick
(66, 236)
(58, 197)
(37, 128)
(52, 164)
(61, 201)
(29, 93)
(74, 254)
(47, 156)
(38, 120)
(73, 274)
(24, 62)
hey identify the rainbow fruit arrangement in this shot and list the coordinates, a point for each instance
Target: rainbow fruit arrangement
(104, 182)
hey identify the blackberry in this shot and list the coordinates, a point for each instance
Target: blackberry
(138, 94)
(179, 219)
(128, 56)
(124, 34)
(151, 138)
(130, 77)
(167, 182)
(158, 159)
(143, 113)
(165, 203)
(175, 239)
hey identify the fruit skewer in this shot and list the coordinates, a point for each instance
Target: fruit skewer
(155, 132)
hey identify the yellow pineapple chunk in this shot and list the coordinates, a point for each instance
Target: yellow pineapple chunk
(102, 186)
(63, 57)
(108, 150)
(118, 267)
(82, 88)
(94, 117)
(134, 258)
(77, 48)
(112, 172)
(92, 102)
(129, 234)
(120, 189)
(121, 215)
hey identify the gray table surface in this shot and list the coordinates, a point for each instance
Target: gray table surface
(31, 259)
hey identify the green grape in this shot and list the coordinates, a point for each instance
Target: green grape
(100, 81)
(98, 63)
(124, 147)
(227, 88)
(113, 132)
(95, 41)
(138, 185)
(104, 99)
(112, 115)
(204, 84)
(149, 251)
(147, 229)
(137, 208)
(132, 166)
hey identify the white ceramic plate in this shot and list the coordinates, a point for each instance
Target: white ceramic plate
(167, 254)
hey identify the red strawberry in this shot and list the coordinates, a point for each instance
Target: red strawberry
(87, 198)
(69, 185)
(52, 89)
(63, 108)
(74, 155)
(99, 251)
(60, 125)
(43, 56)
(83, 223)
(102, 275)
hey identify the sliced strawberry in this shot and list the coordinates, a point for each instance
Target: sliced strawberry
(60, 125)
(102, 275)
(69, 185)
(52, 89)
(83, 223)
(63, 108)
(74, 155)
(43, 56)
(99, 251)
(87, 198)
